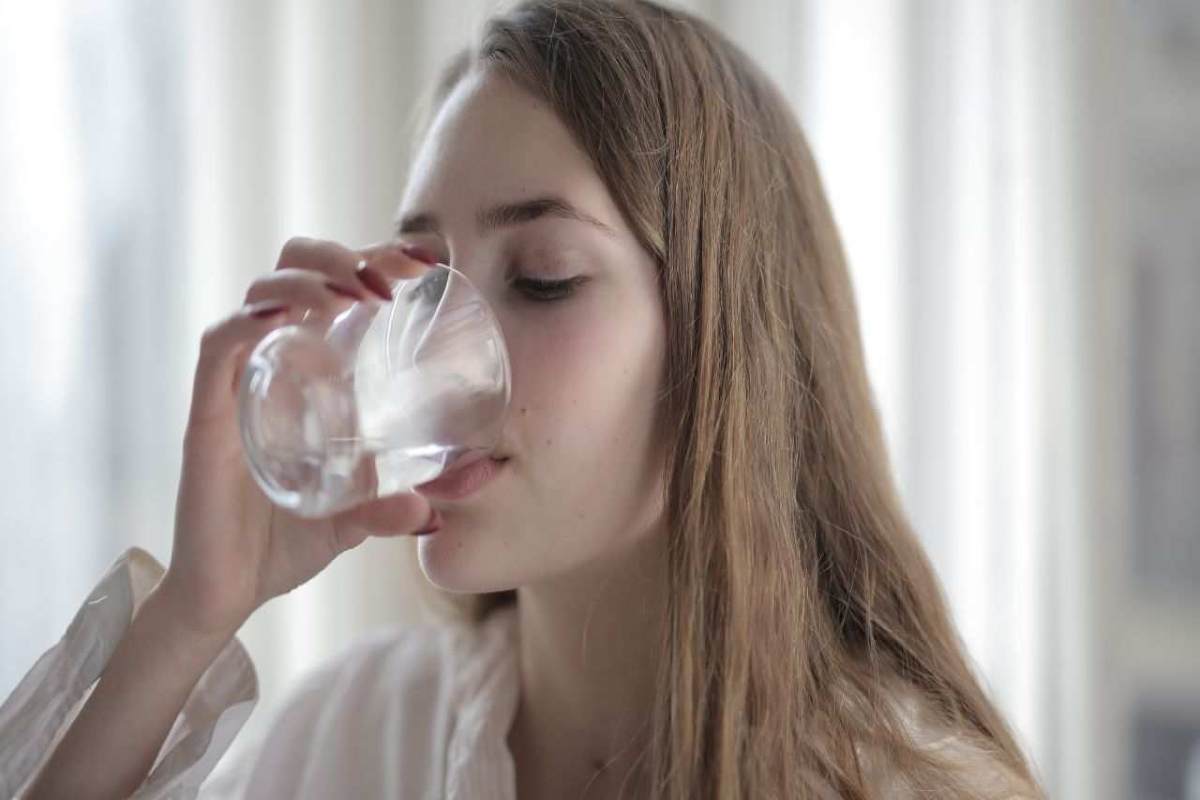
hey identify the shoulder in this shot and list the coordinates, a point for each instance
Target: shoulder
(966, 760)
(395, 691)
(412, 666)
(419, 654)
(387, 660)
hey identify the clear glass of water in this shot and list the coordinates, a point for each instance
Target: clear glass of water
(384, 397)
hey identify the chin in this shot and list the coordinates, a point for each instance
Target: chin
(454, 561)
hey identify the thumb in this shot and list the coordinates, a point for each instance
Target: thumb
(394, 515)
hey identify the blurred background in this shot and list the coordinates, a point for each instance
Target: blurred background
(1018, 187)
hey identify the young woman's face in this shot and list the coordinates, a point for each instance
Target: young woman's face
(583, 482)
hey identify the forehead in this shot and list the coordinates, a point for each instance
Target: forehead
(493, 141)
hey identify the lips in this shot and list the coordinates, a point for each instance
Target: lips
(462, 481)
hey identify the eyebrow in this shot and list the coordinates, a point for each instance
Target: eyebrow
(505, 215)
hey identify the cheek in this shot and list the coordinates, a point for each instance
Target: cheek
(579, 380)
(584, 388)
(584, 383)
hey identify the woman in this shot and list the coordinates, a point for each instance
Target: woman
(689, 574)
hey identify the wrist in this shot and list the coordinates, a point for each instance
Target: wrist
(163, 617)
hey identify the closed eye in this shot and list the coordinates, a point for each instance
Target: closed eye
(547, 291)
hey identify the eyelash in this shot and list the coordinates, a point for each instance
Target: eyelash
(547, 291)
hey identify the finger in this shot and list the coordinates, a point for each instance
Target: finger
(305, 288)
(393, 515)
(223, 352)
(396, 259)
(346, 536)
(371, 268)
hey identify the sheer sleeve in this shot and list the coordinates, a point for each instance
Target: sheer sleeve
(45, 702)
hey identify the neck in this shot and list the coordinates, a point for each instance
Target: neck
(589, 650)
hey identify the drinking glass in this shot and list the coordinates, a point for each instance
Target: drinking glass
(386, 396)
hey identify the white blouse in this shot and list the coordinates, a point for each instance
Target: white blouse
(412, 712)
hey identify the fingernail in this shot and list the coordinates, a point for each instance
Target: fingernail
(419, 253)
(432, 524)
(343, 291)
(269, 310)
(373, 280)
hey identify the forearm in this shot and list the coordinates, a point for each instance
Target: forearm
(111, 746)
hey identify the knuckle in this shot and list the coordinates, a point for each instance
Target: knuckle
(257, 288)
(210, 335)
(217, 332)
(293, 249)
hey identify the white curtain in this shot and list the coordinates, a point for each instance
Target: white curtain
(156, 156)
(93, 348)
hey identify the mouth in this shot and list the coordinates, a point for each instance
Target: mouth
(460, 482)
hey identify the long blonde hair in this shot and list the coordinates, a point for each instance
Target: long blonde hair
(799, 596)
